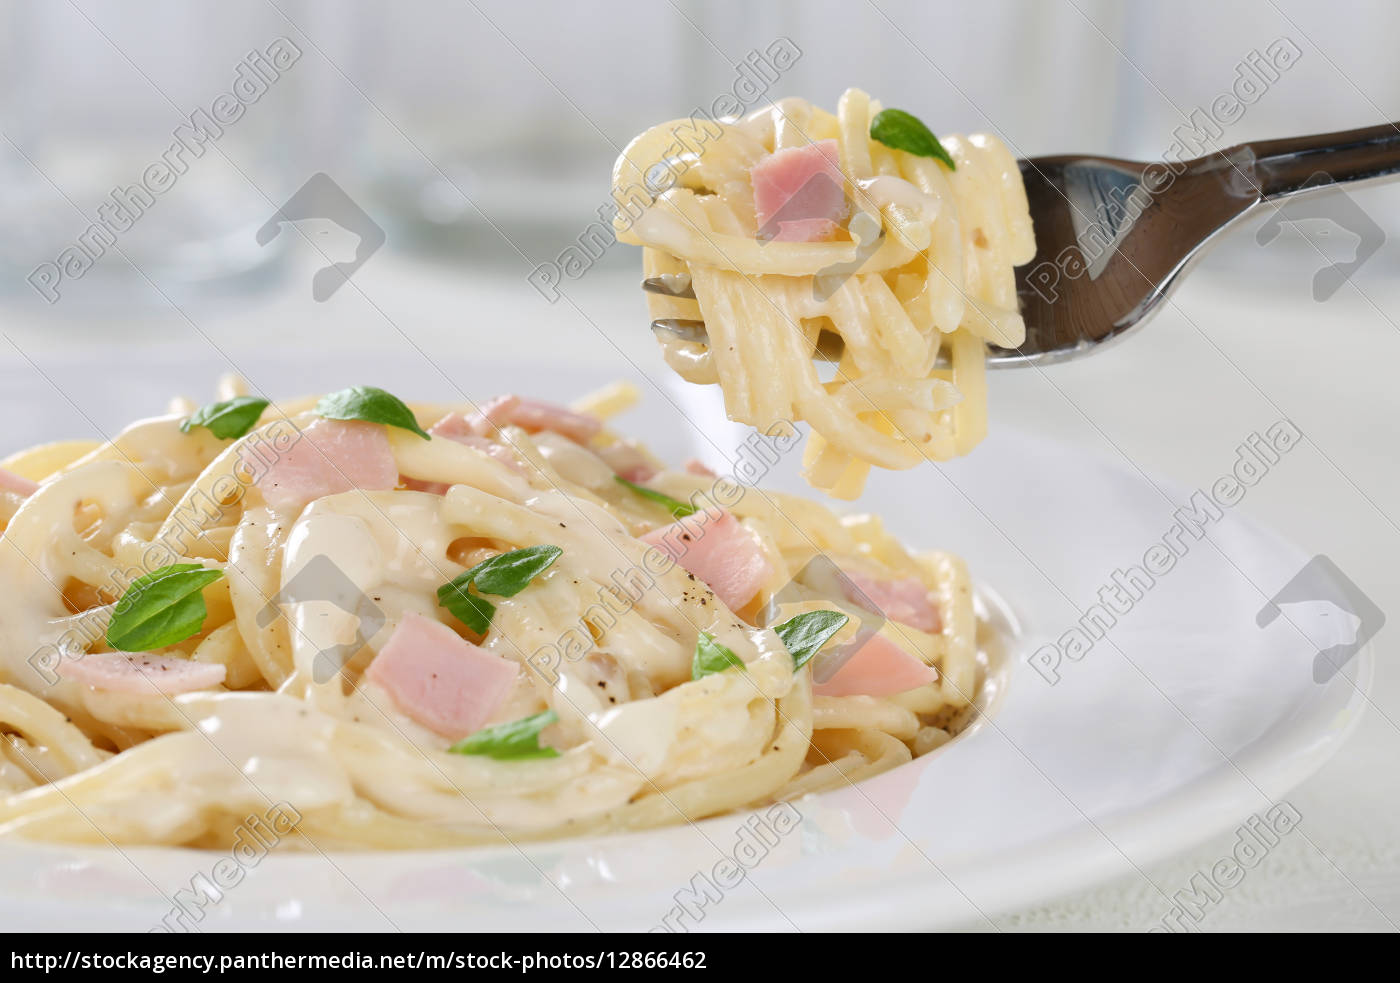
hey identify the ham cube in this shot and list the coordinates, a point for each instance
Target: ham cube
(20, 485)
(141, 675)
(905, 600)
(534, 415)
(459, 429)
(440, 679)
(798, 193)
(627, 461)
(330, 456)
(717, 549)
(806, 230)
(878, 668)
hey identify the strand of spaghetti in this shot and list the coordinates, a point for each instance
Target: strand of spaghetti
(863, 712)
(45, 726)
(254, 576)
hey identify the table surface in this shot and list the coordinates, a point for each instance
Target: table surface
(1242, 345)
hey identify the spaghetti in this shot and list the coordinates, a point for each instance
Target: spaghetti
(908, 260)
(494, 629)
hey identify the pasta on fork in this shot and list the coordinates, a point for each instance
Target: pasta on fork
(793, 225)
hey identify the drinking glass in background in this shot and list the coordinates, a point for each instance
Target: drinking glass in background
(143, 147)
(492, 134)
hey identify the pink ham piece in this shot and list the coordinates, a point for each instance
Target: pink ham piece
(431, 487)
(716, 548)
(806, 230)
(20, 485)
(798, 193)
(440, 679)
(141, 675)
(694, 465)
(456, 426)
(878, 668)
(459, 429)
(534, 415)
(330, 456)
(905, 600)
(627, 461)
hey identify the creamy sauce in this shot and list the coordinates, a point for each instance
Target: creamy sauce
(605, 636)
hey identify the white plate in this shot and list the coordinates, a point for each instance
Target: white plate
(1184, 723)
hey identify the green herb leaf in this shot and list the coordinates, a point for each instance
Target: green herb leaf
(161, 608)
(371, 405)
(509, 574)
(676, 507)
(229, 419)
(904, 131)
(712, 657)
(518, 740)
(473, 611)
(805, 634)
(504, 576)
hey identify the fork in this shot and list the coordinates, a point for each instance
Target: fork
(1114, 237)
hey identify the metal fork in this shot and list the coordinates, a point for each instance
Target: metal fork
(1115, 237)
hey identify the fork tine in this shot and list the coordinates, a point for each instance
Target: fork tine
(670, 285)
(682, 328)
(829, 344)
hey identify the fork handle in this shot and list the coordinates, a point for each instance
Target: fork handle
(1294, 164)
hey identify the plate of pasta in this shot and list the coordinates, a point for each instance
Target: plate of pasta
(319, 563)
(389, 663)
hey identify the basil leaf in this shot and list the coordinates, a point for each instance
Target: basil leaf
(227, 420)
(712, 657)
(161, 608)
(504, 576)
(518, 740)
(371, 405)
(904, 131)
(509, 574)
(805, 634)
(473, 611)
(677, 508)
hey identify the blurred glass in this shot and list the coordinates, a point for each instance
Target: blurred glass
(502, 118)
(483, 133)
(143, 147)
